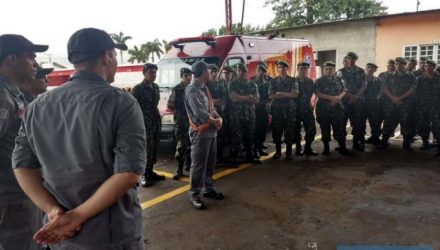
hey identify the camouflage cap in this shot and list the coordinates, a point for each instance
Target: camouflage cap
(262, 67)
(212, 67)
(283, 63)
(432, 62)
(329, 64)
(303, 64)
(401, 60)
(352, 54)
(241, 66)
(412, 60)
(184, 70)
(372, 65)
(391, 61)
(228, 69)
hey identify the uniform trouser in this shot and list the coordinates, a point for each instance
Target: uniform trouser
(307, 120)
(136, 245)
(183, 147)
(353, 112)
(395, 114)
(261, 125)
(242, 131)
(423, 123)
(222, 135)
(203, 158)
(373, 113)
(153, 138)
(435, 119)
(18, 223)
(332, 120)
(283, 122)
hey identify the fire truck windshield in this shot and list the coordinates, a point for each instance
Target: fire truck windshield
(168, 74)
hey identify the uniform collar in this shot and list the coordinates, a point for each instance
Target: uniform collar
(10, 87)
(87, 75)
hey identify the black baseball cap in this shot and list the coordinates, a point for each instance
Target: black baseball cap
(198, 68)
(89, 43)
(13, 44)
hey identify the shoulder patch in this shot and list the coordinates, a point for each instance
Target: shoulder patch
(3, 113)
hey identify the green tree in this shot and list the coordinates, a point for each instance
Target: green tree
(153, 48)
(120, 38)
(300, 12)
(237, 29)
(137, 54)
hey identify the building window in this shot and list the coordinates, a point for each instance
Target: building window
(438, 53)
(427, 51)
(410, 52)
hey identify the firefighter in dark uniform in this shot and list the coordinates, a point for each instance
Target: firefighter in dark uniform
(373, 106)
(148, 95)
(282, 91)
(399, 89)
(355, 83)
(262, 80)
(88, 140)
(421, 70)
(330, 113)
(424, 101)
(219, 94)
(19, 218)
(176, 103)
(244, 96)
(304, 111)
(32, 89)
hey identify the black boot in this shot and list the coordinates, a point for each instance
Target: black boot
(326, 150)
(425, 144)
(343, 149)
(235, 163)
(250, 158)
(277, 154)
(179, 172)
(358, 144)
(384, 142)
(407, 144)
(298, 151)
(256, 153)
(146, 181)
(289, 152)
(308, 149)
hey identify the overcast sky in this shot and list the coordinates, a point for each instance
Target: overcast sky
(52, 22)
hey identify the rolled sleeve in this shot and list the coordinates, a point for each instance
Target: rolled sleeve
(23, 155)
(130, 143)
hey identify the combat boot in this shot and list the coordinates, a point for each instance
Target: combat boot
(384, 142)
(308, 149)
(179, 172)
(407, 145)
(298, 150)
(289, 152)
(277, 154)
(357, 144)
(343, 149)
(425, 145)
(146, 180)
(250, 157)
(256, 154)
(326, 150)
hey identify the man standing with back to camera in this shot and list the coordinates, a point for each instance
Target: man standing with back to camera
(80, 152)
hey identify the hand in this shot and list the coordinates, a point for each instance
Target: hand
(396, 100)
(59, 228)
(353, 99)
(218, 123)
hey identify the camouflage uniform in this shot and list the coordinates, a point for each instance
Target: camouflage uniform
(261, 110)
(330, 117)
(148, 96)
(373, 106)
(423, 105)
(218, 90)
(394, 114)
(242, 117)
(418, 73)
(304, 110)
(354, 80)
(283, 110)
(434, 109)
(176, 102)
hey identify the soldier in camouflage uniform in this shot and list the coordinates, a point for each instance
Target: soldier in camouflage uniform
(219, 95)
(424, 101)
(225, 79)
(330, 112)
(399, 89)
(176, 103)
(283, 90)
(261, 110)
(244, 96)
(421, 70)
(373, 104)
(355, 83)
(304, 111)
(147, 94)
(434, 78)
(411, 65)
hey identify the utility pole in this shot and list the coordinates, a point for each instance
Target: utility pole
(418, 3)
(228, 14)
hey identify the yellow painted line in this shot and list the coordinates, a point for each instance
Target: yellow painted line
(170, 175)
(165, 197)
